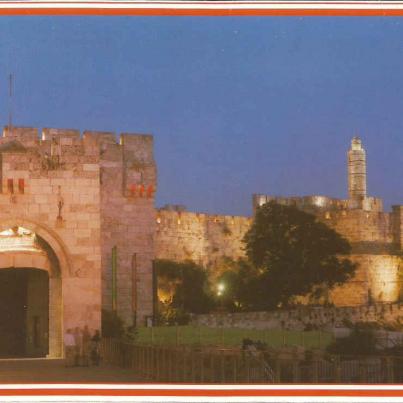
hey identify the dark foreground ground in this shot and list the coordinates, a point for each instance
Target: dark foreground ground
(54, 371)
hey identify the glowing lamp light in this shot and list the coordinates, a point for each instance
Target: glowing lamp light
(319, 201)
(220, 288)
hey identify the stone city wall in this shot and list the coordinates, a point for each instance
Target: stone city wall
(367, 231)
(205, 239)
(377, 279)
(304, 317)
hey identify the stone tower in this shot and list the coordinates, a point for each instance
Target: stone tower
(357, 171)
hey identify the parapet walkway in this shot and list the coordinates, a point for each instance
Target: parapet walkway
(54, 371)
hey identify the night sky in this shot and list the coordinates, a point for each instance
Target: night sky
(237, 105)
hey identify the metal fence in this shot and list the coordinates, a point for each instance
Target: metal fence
(187, 364)
(181, 364)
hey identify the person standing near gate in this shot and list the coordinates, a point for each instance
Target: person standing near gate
(79, 346)
(70, 348)
(86, 340)
(95, 348)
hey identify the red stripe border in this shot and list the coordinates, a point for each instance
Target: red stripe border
(197, 8)
(205, 392)
(202, 12)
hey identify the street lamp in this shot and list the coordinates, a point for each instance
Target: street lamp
(220, 289)
(220, 293)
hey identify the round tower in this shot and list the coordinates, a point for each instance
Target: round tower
(357, 170)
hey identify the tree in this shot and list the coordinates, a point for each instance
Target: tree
(240, 280)
(189, 284)
(294, 253)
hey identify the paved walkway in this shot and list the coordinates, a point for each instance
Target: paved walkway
(54, 371)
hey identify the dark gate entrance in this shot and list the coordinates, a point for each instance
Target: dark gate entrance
(24, 313)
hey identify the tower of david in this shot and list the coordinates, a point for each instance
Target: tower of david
(376, 236)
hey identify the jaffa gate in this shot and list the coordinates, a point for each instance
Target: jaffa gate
(79, 232)
(76, 224)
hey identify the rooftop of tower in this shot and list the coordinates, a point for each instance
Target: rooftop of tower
(356, 143)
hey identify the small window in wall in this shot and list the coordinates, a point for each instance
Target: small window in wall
(10, 186)
(21, 185)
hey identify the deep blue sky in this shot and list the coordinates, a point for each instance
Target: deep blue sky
(237, 105)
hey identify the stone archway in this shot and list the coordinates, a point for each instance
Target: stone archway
(24, 312)
(48, 255)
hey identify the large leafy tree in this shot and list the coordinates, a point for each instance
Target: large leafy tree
(293, 253)
(191, 290)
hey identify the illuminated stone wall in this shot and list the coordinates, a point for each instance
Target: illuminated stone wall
(378, 279)
(367, 231)
(205, 239)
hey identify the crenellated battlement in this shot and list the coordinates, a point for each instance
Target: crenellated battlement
(125, 163)
(99, 138)
(312, 203)
(138, 146)
(27, 136)
(66, 137)
(317, 203)
(173, 218)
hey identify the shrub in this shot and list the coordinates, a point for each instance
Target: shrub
(112, 324)
(169, 315)
(361, 341)
(310, 327)
(130, 334)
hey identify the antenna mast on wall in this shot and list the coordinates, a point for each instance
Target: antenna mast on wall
(10, 105)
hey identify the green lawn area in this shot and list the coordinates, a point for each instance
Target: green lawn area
(192, 335)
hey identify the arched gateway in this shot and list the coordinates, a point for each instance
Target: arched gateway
(32, 262)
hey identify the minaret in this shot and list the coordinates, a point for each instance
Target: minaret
(357, 170)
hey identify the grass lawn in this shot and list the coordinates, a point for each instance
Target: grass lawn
(180, 335)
